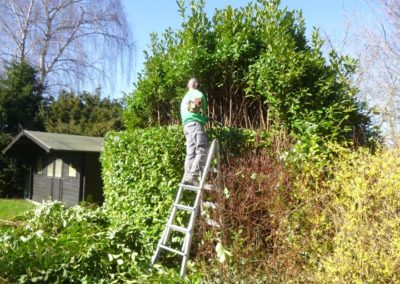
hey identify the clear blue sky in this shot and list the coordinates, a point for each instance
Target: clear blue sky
(149, 16)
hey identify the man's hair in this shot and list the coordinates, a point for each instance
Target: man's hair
(193, 84)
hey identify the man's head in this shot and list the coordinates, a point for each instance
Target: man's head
(193, 84)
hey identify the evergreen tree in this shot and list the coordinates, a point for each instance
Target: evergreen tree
(82, 114)
(20, 101)
(20, 98)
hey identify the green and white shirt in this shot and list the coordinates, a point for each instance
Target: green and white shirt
(193, 107)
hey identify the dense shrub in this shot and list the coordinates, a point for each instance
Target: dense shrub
(257, 69)
(142, 169)
(364, 213)
(256, 198)
(9, 171)
(332, 224)
(336, 223)
(6, 170)
(58, 244)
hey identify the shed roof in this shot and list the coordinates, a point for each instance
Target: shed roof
(59, 142)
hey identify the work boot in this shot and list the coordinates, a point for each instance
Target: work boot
(191, 181)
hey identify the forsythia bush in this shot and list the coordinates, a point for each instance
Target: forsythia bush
(365, 216)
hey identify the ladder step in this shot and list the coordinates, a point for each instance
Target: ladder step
(196, 187)
(208, 187)
(213, 170)
(172, 250)
(211, 205)
(212, 223)
(184, 207)
(190, 187)
(179, 229)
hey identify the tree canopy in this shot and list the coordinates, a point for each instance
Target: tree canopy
(82, 114)
(69, 41)
(20, 98)
(257, 69)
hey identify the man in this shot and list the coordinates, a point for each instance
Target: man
(193, 109)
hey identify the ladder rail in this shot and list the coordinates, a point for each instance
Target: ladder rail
(213, 153)
(188, 238)
(167, 230)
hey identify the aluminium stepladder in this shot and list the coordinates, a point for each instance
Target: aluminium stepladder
(213, 154)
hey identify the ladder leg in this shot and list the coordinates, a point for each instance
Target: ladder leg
(167, 231)
(155, 255)
(172, 217)
(188, 238)
(213, 153)
(185, 258)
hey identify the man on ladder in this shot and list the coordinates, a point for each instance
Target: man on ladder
(193, 110)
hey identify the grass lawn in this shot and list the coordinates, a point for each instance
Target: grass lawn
(10, 208)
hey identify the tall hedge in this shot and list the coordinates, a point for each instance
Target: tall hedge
(141, 170)
(257, 69)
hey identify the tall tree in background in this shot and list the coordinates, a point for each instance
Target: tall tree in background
(70, 41)
(82, 114)
(375, 40)
(20, 98)
(20, 102)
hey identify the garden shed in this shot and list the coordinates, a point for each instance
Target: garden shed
(59, 167)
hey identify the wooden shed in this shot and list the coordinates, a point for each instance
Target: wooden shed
(59, 166)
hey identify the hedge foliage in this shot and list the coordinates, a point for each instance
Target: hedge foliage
(364, 213)
(336, 224)
(59, 244)
(142, 169)
(257, 69)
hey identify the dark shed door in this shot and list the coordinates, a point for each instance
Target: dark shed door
(40, 180)
(54, 175)
(71, 178)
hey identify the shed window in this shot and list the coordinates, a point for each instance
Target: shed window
(71, 170)
(39, 166)
(58, 168)
(50, 169)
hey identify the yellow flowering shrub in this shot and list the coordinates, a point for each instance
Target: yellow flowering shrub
(365, 214)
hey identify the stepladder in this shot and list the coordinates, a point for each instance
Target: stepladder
(178, 232)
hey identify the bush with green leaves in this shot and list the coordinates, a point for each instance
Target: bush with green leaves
(83, 113)
(59, 244)
(257, 69)
(141, 171)
(7, 168)
(20, 101)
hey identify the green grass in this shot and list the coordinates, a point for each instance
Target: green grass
(11, 208)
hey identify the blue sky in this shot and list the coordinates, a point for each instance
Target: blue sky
(149, 16)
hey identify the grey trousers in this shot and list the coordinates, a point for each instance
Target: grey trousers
(196, 149)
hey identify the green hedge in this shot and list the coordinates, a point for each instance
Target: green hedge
(141, 171)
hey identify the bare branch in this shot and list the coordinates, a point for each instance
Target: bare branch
(96, 41)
